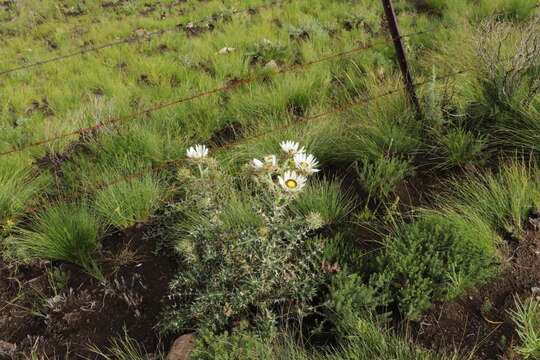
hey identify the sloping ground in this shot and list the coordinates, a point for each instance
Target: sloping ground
(480, 320)
(114, 182)
(56, 309)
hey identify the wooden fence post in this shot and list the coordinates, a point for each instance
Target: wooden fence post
(401, 55)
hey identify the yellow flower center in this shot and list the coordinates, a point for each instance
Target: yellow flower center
(291, 184)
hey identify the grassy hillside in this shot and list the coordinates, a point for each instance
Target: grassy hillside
(402, 236)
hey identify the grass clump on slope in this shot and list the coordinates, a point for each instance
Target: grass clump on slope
(62, 232)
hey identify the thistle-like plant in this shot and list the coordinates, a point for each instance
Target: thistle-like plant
(246, 253)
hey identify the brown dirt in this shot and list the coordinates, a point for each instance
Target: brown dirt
(480, 318)
(85, 311)
(225, 135)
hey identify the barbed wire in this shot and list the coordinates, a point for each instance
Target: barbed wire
(306, 119)
(127, 40)
(224, 88)
(150, 34)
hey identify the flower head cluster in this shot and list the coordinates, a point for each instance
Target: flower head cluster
(197, 153)
(306, 163)
(292, 168)
(269, 164)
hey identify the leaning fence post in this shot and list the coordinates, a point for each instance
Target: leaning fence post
(401, 55)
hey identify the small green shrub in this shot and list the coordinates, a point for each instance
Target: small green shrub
(350, 298)
(129, 202)
(246, 252)
(526, 316)
(460, 147)
(380, 177)
(436, 257)
(62, 232)
(433, 115)
(342, 249)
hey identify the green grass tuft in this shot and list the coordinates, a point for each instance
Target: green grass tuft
(526, 316)
(365, 340)
(129, 202)
(460, 147)
(19, 188)
(503, 199)
(62, 232)
(124, 348)
(327, 199)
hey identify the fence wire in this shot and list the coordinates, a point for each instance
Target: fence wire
(224, 88)
(127, 40)
(307, 119)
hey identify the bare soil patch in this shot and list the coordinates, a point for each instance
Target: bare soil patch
(35, 317)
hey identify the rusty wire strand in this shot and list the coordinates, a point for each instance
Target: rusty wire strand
(224, 88)
(307, 119)
(127, 40)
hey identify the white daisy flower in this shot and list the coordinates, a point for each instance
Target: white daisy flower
(292, 182)
(257, 164)
(197, 152)
(306, 163)
(291, 148)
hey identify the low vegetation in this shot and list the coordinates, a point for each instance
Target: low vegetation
(221, 172)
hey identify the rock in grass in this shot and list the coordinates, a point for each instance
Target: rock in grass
(536, 292)
(226, 50)
(182, 347)
(272, 65)
(7, 350)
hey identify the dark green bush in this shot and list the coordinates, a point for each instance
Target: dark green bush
(436, 257)
(350, 299)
